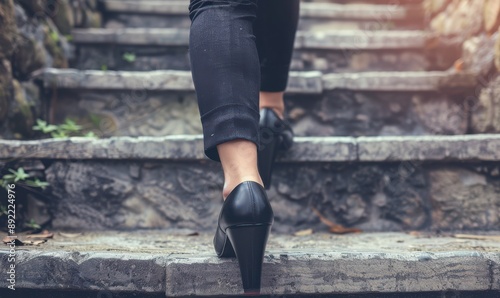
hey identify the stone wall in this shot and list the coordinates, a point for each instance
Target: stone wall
(107, 194)
(34, 34)
(473, 25)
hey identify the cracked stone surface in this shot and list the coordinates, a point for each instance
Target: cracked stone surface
(333, 40)
(300, 82)
(162, 103)
(314, 16)
(108, 194)
(486, 110)
(305, 149)
(174, 263)
(325, 60)
(319, 49)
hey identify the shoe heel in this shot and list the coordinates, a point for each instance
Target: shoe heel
(249, 243)
(267, 154)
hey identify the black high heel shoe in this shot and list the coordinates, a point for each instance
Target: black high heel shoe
(242, 231)
(275, 135)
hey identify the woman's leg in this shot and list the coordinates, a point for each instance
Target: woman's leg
(226, 75)
(275, 30)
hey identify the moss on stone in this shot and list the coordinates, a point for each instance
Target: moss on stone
(29, 56)
(21, 115)
(51, 43)
(8, 27)
(63, 17)
(5, 88)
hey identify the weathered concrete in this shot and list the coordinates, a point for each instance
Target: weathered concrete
(309, 10)
(172, 7)
(315, 274)
(333, 113)
(148, 58)
(161, 80)
(330, 40)
(184, 147)
(485, 116)
(312, 82)
(315, 49)
(467, 147)
(174, 263)
(87, 270)
(174, 14)
(451, 187)
(306, 149)
(159, 103)
(361, 40)
(400, 81)
(127, 183)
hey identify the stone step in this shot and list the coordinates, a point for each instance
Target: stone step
(433, 183)
(162, 103)
(332, 50)
(314, 16)
(172, 264)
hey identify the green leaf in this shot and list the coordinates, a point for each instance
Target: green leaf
(59, 134)
(91, 135)
(69, 126)
(40, 124)
(69, 37)
(104, 67)
(20, 174)
(54, 36)
(129, 57)
(9, 177)
(37, 183)
(44, 127)
(32, 224)
(95, 119)
(50, 128)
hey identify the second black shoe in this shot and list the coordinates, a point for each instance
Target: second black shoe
(275, 135)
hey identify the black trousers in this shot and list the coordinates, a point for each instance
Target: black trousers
(238, 48)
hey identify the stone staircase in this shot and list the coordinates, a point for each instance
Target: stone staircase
(383, 145)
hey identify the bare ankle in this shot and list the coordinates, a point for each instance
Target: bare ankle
(230, 185)
(274, 101)
(239, 162)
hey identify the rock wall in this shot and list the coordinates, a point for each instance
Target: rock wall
(34, 34)
(372, 196)
(473, 25)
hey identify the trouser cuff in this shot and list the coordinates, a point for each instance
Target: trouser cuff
(227, 123)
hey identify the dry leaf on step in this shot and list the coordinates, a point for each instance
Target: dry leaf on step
(43, 235)
(477, 237)
(70, 235)
(459, 65)
(303, 232)
(333, 227)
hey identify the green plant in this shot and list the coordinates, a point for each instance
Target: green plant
(44, 127)
(129, 57)
(20, 175)
(33, 225)
(3, 210)
(91, 134)
(104, 67)
(69, 37)
(54, 36)
(67, 129)
(37, 183)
